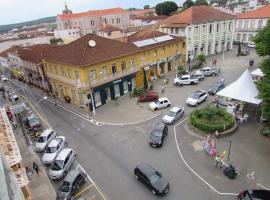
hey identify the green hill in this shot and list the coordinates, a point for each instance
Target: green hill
(8, 27)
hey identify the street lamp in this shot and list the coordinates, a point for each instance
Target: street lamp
(230, 144)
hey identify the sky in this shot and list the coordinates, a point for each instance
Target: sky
(14, 11)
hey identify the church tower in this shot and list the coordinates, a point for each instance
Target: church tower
(66, 10)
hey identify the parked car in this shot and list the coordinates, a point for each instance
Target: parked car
(185, 80)
(162, 102)
(196, 98)
(44, 139)
(62, 163)
(254, 195)
(149, 96)
(198, 75)
(4, 78)
(53, 149)
(251, 45)
(32, 123)
(215, 88)
(158, 135)
(151, 178)
(208, 71)
(74, 180)
(174, 114)
(13, 98)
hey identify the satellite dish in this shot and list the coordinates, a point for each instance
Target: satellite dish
(92, 43)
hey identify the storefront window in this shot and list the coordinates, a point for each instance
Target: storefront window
(97, 98)
(116, 90)
(125, 85)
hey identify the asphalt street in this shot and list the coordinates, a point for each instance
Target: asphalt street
(110, 153)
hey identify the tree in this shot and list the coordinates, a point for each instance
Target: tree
(166, 8)
(187, 4)
(201, 59)
(55, 41)
(263, 49)
(201, 2)
(146, 7)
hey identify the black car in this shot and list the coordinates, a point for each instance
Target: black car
(152, 179)
(158, 134)
(215, 88)
(254, 195)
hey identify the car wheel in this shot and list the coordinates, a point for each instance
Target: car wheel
(136, 177)
(65, 173)
(168, 105)
(155, 109)
(154, 192)
(192, 83)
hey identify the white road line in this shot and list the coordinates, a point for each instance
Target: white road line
(193, 171)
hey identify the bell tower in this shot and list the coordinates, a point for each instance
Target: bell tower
(66, 10)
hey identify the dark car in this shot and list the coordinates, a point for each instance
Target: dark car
(72, 183)
(254, 195)
(149, 96)
(152, 179)
(32, 123)
(158, 135)
(215, 88)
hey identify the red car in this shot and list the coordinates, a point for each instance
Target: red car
(149, 96)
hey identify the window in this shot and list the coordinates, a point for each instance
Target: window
(260, 24)
(163, 50)
(171, 30)
(105, 21)
(155, 53)
(118, 20)
(252, 24)
(68, 72)
(112, 20)
(93, 74)
(196, 30)
(240, 24)
(114, 68)
(183, 44)
(92, 23)
(116, 90)
(132, 64)
(176, 30)
(238, 37)
(56, 69)
(204, 29)
(246, 25)
(63, 71)
(125, 87)
(123, 66)
(104, 71)
(224, 27)
(230, 26)
(217, 28)
(210, 28)
(50, 68)
(97, 98)
(76, 74)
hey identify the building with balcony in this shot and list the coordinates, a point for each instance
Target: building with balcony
(248, 24)
(207, 30)
(90, 21)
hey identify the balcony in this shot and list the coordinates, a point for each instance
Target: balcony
(111, 77)
(247, 29)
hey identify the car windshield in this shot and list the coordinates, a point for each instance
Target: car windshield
(171, 114)
(42, 139)
(33, 121)
(195, 96)
(154, 178)
(57, 165)
(65, 187)
(157, 133)
(157, 102)
(51, 149)
(215, 87)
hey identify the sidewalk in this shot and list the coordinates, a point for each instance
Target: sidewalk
(40, 186)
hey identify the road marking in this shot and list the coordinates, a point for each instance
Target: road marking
(84, 190)
(193, 171)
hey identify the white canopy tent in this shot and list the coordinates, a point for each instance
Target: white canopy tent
(257, 73)
(243, 89)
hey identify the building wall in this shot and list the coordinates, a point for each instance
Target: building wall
(245, 29)
(111, 35)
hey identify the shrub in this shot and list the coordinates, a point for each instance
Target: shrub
(265, 131)
(181, 70)
(211, 119)
(138, 91)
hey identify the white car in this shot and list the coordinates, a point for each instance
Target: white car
(196, 98)
(53, 149)
(251, 45)
(162, 102)
(44, 139)
(4, 79)
(62, 163)
(174, 114)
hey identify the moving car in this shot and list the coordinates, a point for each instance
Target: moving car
(151, 178)
(74, 180)
(32, 123)
(185, 80)
(174, 114)
(196, 98)
(254, 195)
(215, 88)
(4, 79)
(53, 149)
(44, 139)
(162, 102)
(198, 75)
(251, 45)
(158, 135)
(149, 96)
(62, 163)
(208, 71)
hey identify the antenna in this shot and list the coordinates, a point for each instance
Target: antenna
(92, 43)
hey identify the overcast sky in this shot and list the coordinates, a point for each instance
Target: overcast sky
(13, 11)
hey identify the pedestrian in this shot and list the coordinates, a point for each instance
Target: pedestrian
(162, 88)
(213, 63)
(218, 160)
(36, 168)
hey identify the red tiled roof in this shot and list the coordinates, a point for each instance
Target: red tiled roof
(144, 34)
(195, 15)
(79, 53)
(12, 49)
(263, 12)
(149, 18)
(109, 28)
(92, 13)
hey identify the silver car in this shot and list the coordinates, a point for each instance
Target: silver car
(174, 114)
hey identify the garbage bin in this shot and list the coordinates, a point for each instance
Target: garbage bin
(251, 63)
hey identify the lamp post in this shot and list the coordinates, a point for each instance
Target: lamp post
(130, 89)
(230, 144)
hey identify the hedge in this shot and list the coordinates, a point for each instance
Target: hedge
(212, 127)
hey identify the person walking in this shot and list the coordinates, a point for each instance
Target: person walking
(218, 160)
(162, 88)
(36, 168)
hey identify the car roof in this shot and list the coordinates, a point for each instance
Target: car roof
(72, 175)
(176, 108)
(46, 132)
(162, 98)
(53, 143)
(147, 169)
(63, 154)
(185, 76)
(199, 92)
(206, 68)
(159, 126)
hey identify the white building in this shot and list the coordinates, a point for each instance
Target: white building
(207, 30)
(248, 24)
(90, 21)
(67, 35)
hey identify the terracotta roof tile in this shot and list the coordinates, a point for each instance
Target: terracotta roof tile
(263, 12)
(92, 13)
(195, 15)
(12, 49)
(79, 53)
(144, 34)
(109, 28)
(149, 18)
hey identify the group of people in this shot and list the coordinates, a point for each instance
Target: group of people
(240, 118)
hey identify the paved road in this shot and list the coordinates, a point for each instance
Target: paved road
(110, 153)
